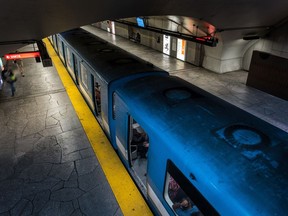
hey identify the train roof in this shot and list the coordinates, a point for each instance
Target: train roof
(108, 60)
(235, 152)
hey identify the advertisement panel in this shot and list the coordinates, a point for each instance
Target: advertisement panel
(181, 47)
(166, 44)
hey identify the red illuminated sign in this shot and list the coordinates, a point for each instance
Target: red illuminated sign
(21, 55)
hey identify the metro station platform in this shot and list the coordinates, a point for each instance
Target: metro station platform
(230, 87)
(47, 164)
(47, 161)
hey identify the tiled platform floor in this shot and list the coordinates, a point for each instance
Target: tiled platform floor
(47, 165)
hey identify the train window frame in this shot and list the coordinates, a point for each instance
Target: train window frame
(84, 75)
(55, 38)
(69, 60)
(60, 49)
(189, 189)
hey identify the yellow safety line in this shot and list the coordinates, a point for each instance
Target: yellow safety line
(127, 194)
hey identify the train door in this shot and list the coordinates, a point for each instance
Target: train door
(75, 67)
(85, 84)
(138, 151)
(69, 62)
(61, 50)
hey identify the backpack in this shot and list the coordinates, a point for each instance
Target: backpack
(11, 77)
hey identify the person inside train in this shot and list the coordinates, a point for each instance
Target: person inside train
(140, 139)
(186, 208)
(98, 96)
(175, 192)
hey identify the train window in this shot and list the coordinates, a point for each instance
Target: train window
(138, 150)
(84, 75)
(178, 200)
(69, 60)
(182, 196)
(75, 67)
(113, 106)
(55, 42)
(51, 39)
(60, 49)
(97, 89)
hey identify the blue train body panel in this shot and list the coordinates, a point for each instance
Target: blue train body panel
(111, 66)
(238, 162)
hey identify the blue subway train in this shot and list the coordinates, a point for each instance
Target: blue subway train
(189, 152)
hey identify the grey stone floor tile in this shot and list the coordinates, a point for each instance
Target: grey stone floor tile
(51, 122)
(77, 212)
(70, 157)
(87, 153)
(40, 200)
(31, 188)
(23, 207)
(51, 131)
(88, 181)
(47, 150)
(95, 196)
(58, 186)
(66, 208)
(86, 165)
(66, 194)
(36, 172)
(10, 195)
(76, 204)
(26, 144)
(50, 208)
(73, 140)
(62, 171)
(71, 183)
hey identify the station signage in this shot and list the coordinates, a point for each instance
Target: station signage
(22, 55)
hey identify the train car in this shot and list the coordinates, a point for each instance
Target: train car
(98, 68)
(189, 152)
(204, 156)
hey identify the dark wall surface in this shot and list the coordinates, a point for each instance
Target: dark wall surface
(269, 73)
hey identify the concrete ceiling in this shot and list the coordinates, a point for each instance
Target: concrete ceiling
(36, 19)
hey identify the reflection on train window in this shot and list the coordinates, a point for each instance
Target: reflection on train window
(69, 60)
(84, 76)
(178, 200)
(55, 39)
(60, 49)
(138, 146)
(97, 89)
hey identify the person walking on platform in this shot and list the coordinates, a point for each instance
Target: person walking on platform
(20, 66)
(11, 79)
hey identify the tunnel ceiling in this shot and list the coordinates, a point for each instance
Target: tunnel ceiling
(36, 19)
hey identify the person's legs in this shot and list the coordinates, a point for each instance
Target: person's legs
(12, 88)
(21, 70)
